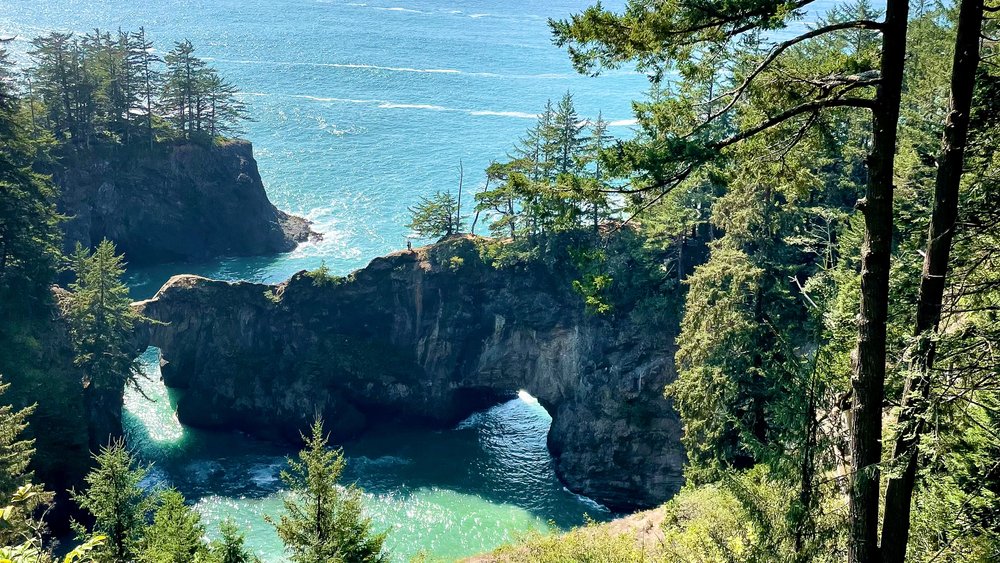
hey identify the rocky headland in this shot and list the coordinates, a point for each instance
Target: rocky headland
(428, 337)
(173, 203)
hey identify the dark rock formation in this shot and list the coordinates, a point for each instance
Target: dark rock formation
(428, 337)
(71, 418)
(177, 202)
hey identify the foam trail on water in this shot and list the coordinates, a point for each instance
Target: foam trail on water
(398, 9)
(386, 104)
(363, 66)
(394, 105)
(518, 114)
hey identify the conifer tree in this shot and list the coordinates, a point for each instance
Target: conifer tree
(102, 318)
(436, 216)
(230, 548)
(142, 62)
(662, 37)
(176, 534)
(182, 88)
(116, 501)
(223, 110)
(502, 201)
(323, 521)
(15, 452)
(29, 231)
(569, 136)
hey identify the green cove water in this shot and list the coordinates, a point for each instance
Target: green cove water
(359, 109)
(448, 494)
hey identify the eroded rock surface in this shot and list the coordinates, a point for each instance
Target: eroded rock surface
(183, 202)
(428, 337)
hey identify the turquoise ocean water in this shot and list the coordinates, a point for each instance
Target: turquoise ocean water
(360, 108)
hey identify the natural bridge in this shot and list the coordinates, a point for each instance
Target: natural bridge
(427, 337)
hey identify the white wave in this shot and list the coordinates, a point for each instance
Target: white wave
(589, 501)
(265, 474)
(518, 114)
(394, 105)
(623, 123)
(398, 9)
(399, 68)
(340, 100)
(361, 66)
(387, 104)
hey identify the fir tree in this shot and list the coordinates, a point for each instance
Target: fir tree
(117, 503)
(176, 534)
(102, 317)
(15, 451)
(436, 216)
(324, 522)
(569, 139)
(182, 88)
(230, 548)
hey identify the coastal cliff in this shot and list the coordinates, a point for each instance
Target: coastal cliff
(174, 203)
(428, 337)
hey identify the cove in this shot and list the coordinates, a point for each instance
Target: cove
(448, 493)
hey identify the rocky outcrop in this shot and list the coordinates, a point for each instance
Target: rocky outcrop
(176, 202)
(72, 417)
(428, 337)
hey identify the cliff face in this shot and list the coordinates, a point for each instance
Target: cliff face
(71, 418)
(185, 202)
(427, 337)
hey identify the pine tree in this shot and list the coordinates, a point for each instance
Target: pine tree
(176, 534)
(680, 138)
(29, 231)
(595, 193)
(15, 452)
(182, 89)
(20, 500)
(569, 139)
(102, 318)
(324, 522)
(502, 201)
(223, 110)
(230, 548)
(117, 503)
(145, 77)
(436, 216)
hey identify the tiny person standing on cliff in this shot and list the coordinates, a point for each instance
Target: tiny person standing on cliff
(409, 245)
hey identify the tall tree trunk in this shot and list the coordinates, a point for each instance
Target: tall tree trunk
(868, 379)
(944, 216)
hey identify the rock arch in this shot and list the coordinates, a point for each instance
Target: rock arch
(427, 337)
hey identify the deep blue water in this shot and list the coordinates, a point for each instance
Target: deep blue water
(360, 107)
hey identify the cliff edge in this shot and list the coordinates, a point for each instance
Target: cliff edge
(174, 203)
(428, 337)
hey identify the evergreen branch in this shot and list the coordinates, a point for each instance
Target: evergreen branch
(776, 51)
